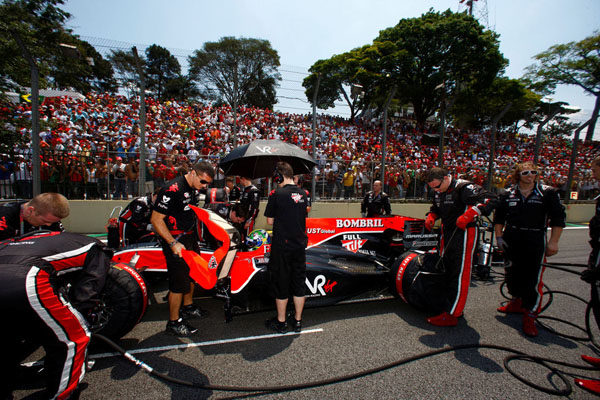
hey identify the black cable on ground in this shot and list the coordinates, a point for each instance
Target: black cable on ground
(516, 355)
(343, 378)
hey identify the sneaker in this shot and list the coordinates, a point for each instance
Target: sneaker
(193, 311)
(529, 327)
(180, 328)
(444, 319)
(515, 306)
(295, 325)
(275, 325)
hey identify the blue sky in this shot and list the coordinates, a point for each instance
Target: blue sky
(305, 31)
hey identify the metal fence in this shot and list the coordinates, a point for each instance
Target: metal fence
(95, 175)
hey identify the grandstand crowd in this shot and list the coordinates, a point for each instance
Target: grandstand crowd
(90, 149)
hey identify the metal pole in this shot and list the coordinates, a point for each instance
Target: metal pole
(314, 137)
(442, 132)
(493, 145)
(538, 138)
(35, 114)
(384, 140)
(567, 197)
(142, 164)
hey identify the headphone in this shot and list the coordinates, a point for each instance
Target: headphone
(277, 176)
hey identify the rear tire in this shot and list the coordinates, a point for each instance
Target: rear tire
(125, 297)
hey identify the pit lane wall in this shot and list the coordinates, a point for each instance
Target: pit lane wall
(91, 216)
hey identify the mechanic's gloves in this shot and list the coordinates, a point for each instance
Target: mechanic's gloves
(430, 221)
(590, 275)
(468, 217)
(501, 243)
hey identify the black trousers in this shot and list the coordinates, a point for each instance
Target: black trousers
(37, 315)
(526, 251)
(457, 251)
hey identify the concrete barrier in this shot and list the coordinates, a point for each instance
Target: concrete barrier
(91, 216)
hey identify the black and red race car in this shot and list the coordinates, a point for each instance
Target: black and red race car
(347, 259)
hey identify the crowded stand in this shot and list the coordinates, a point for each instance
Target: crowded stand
(90, 149)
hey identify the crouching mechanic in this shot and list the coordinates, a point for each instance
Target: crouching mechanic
(175, 222)
(458, 203)
(134, 220)
(39, 314)
(520, 221)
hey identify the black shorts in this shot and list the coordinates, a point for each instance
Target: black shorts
(177, 269)
(287, 272)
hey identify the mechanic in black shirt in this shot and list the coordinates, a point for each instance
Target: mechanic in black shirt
(458, 203)
(524, 211)
(175, 222)
(20, 217)
(376, 203)
(286, 211)
(37, 314)
(250, 198)
(134, 220)
(233, 191)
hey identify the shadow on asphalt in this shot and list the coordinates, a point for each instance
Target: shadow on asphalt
(123, 370)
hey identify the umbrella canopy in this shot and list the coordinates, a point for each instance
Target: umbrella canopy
(258, 159)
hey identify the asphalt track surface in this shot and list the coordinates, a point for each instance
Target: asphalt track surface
(346, 339)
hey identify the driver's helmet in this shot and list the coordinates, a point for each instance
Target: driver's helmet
(257, 238)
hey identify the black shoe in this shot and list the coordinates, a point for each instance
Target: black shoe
(192, 311)
(275, 325)
(294, 324)
(180, 328)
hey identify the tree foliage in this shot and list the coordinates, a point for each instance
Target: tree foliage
(63, 60)
(161, 68)
(477, 109)
(427, 59)
(573, 63)
(125, 64)
(337, 75)
(446, 52)
(240, 70)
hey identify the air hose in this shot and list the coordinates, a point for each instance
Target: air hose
(515, 355)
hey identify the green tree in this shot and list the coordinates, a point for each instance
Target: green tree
(181, 88)
(236, 68)
(84, 69)
(125, 65)
(63, 60)
(337, 75)
(39, 24)
(161, 67)
(438, 54)
(476, 108)
(573, 63)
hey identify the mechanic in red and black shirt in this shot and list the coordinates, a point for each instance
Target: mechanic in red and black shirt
(458, 203)
(250, 199)
(286, 210)
(20, 217)
(36, 313)
(175, 222)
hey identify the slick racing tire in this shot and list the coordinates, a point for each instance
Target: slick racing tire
(419, 280)
(124, 300)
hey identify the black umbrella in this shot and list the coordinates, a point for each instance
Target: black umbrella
(258, 159)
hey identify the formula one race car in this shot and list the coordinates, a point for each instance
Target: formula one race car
(347, 259)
